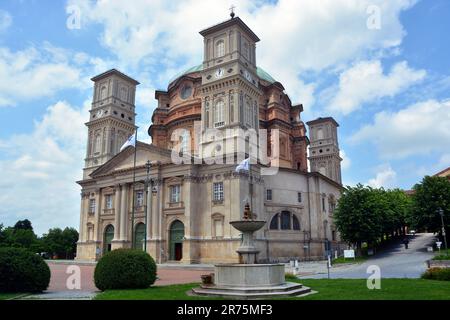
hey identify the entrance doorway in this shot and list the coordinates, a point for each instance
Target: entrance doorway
(139, 235)
(107, 238)
(176, 236)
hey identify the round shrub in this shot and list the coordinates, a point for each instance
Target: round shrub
(22, 271)
(442, 274)
(125, 269)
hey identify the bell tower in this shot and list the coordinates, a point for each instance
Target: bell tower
(324, 148)
(112, 118)
(230, 87)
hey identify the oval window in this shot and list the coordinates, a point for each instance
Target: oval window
(186, 92)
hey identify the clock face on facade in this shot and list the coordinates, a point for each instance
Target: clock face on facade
(99, 113)
(219, 73)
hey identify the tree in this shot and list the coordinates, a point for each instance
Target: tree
(23, 225)
(357, 215)
(61, 243)
(20, 236)
(431, 194)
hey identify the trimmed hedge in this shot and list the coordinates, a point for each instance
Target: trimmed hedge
(125, 269)
(22, 271)
(437, 274)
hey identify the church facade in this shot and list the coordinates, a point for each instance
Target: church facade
(181, 211)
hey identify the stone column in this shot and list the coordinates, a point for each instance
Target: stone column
(98, 208)
(124, 214)
(82, 218)
(117, 212)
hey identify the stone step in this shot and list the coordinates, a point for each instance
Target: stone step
(289, 286)
(252, 295)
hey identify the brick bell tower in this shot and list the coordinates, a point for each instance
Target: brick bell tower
(324, 148)
(112, 118)
(230, 88)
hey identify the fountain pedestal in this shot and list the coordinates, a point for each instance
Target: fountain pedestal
(248, 279)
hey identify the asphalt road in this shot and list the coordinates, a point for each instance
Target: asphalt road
(394, 262)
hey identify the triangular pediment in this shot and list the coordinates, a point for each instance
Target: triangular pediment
(125, 159)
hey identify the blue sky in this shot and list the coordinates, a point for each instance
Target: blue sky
(388, 87)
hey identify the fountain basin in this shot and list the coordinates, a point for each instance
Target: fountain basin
(249, 275)
(248, 225)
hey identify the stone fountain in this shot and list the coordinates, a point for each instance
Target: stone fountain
(249, 279)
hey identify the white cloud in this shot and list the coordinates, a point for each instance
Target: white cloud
(385, 177)
(296, 36)
(39, 169)
(365, 81)
(418, 129)
(35, 73)
(346, 162)
(5, 20)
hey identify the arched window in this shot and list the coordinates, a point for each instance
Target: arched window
(285, 220)
(103, 92)
(185, 141)
(218, 113)
(246, 50)
(248, 113)
(220, 49)
(98, 143)
(319, 134)
(274, 223)
(124, 94)
(295, 222)
(107, 238)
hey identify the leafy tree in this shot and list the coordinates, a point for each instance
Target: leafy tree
(357, 216)
(61, 243)
(23, 225)
(20, 236)
(431, 194)
(366, 214)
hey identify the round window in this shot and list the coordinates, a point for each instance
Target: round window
(186, 92)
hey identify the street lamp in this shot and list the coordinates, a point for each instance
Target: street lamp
(441, 213)
(148, 166)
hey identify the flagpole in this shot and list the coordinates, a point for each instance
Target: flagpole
(133, 195)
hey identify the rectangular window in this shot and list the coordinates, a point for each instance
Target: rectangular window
(175, 193)
(139, 198)
(218, 191)
(92, 206)
(299, 197)
(108, 201)
(269, 195)
(323, 204)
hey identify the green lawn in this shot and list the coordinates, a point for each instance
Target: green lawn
(442, 255)
(341, 260)
(6, 296)
(334, 289)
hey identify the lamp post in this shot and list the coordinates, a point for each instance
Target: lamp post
(441, 213)
(148, 165)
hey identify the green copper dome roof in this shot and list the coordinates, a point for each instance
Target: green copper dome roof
(260, 72)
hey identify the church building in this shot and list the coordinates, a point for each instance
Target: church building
(181, 211)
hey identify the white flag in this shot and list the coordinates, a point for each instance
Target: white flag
(244, 165)
(130, 142)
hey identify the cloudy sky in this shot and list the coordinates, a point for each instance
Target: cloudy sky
(381, 68)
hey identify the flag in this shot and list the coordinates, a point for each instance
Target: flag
(244, 165)
(130, 142)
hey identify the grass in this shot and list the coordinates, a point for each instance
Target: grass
(6, 296)
(334, 289)
(341, 260)
(172, 292)
(442, 255)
